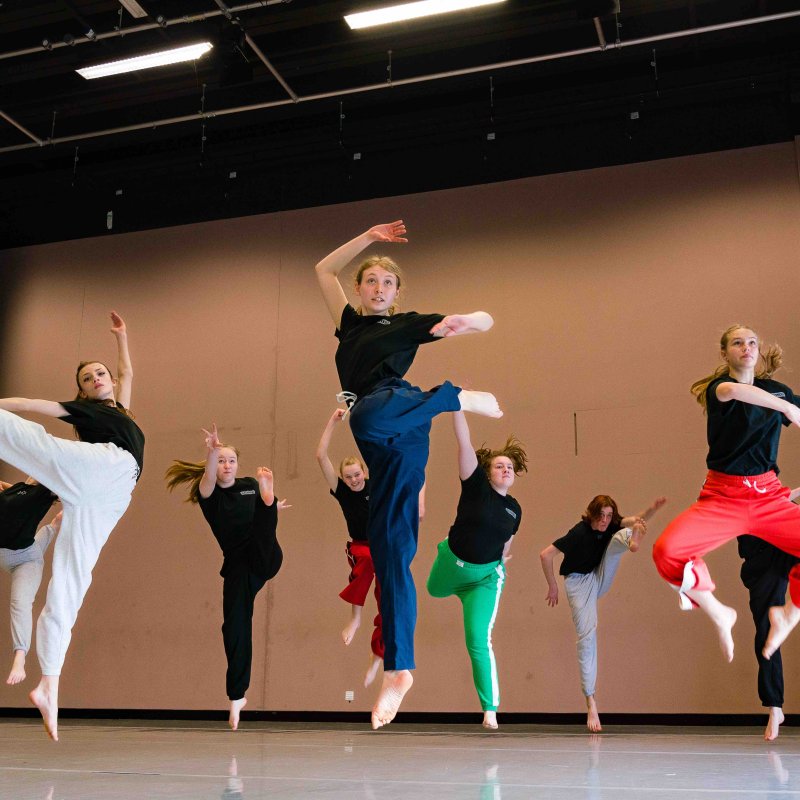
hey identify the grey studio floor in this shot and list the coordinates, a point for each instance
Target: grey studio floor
(116, 760)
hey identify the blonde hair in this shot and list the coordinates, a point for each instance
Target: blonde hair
(770, 360)
(190, 472)
(346, 462)
(513, 449)
(390, 266)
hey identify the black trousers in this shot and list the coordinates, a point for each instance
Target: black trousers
(244, 575)
(765, 574)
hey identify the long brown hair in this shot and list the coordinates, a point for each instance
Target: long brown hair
(390, 266)
(110, 403)
(597, 504)
(770, 360)
(513, 449)
(190, 472)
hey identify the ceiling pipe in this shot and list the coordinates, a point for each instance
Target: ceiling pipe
(405, 81)
(146, 26)
(22, 128)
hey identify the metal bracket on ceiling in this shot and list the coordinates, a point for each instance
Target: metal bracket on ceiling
(598, 26)
(21, 128)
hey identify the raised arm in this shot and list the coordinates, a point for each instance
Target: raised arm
(459, 324)
(547, 556)
(644, 516)
(322, 449)
(48, 408)
(329, 268)
(124, 368)
(213, 445)
(727, 391)
(467, 460)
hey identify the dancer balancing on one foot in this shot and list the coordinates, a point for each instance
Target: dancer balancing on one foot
(93, 477)
(23, 505)
(391, 421)
(765, 573)
(592, 551)
(741, 494)
(470, 562)
(243, 516)
(350, 487)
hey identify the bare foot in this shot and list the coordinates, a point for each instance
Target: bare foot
(781, 620)
(375, 664)
(236, 710)
(395, 685)
(490, 720)
(722, 616)
(773, 724)
(637, 534)
(349, 630)
(482, 403)
(17, 674)
(45, 698)
(592, 717)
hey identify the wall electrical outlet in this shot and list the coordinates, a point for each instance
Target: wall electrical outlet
(348, 696)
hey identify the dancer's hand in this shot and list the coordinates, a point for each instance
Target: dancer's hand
(118, 327)
(451, 325)
(283, 504)
(212, 438)
(337, 415)
(552, 596)
(388, 232)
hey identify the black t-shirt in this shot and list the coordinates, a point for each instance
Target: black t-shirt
(355, 507)
(229, 511)
(99, 423)
(743, 438)
(372, 348)
(485, 521)
(583, 548)
(22, 507)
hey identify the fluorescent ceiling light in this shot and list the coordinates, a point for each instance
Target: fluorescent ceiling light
(404, 11)
(147, 61)
(133, 8)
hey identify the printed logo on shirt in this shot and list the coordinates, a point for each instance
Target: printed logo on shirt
(778, 394)
(248, 491)
(383, 321)
(511, 513)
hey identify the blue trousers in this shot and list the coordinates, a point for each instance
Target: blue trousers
(391, 426)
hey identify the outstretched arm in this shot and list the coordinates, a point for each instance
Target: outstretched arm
(124, 368)
(329, 268)
(644, 516)
(459, 324)
(213, 445)
(727, 391)
(467, 460)
(322, 449)
(547, 556)
(48, 408)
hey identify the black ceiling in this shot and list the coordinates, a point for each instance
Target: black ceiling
(369, 113)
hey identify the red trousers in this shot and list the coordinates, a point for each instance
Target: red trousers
(362, 571)
(728, 505)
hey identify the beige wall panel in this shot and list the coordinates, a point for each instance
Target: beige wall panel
(609, 289)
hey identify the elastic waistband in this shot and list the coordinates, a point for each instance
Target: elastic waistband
(738, 480)
(466, 564)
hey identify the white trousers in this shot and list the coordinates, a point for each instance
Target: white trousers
(94, 483)
(583, 592)
(25, 567)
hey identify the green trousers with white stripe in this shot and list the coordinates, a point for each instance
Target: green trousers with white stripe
(478, 587)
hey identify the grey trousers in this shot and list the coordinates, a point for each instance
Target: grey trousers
(25, 567)
(583, 592)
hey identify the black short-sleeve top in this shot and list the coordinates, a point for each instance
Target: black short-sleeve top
(22, 507)
(355, 507)
(373, 348)
(101, 423)
(230, 511)
(485, 521)
(583, 548)
(743, 438)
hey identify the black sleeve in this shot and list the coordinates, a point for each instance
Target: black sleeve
(78, 411)
(418, 327)
(519, 519)
(566, 544)
(349, 316)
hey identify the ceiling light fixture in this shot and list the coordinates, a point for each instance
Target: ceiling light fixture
(405, 11)
(133, 8)
(147, 61)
